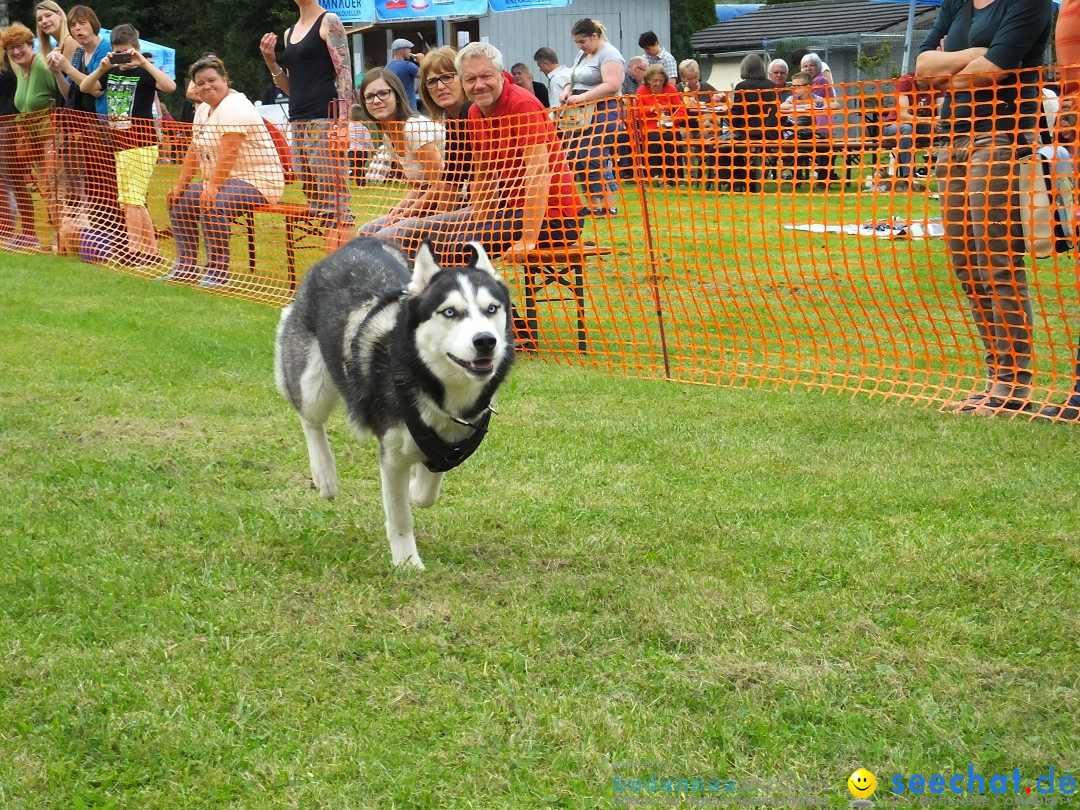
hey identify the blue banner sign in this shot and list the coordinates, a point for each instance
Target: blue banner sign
(352, 10)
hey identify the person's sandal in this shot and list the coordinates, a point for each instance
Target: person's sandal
(991, 405)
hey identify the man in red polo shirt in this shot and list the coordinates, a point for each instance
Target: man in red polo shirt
(522, 192)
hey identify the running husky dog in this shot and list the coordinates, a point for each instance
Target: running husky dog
(417, 359)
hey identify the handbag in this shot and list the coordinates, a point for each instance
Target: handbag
(76, 99)
(1047, 200)
(579, 116)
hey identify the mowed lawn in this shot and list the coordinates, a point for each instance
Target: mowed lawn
(734, 583)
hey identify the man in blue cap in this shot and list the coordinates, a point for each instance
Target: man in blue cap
(404, 67)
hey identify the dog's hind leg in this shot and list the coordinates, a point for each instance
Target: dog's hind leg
(318, 400)
(399, 521)
(323, 468)
(424, 486)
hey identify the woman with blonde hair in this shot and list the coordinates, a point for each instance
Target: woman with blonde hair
(53, 34)
(596, 78)
(523, 78)
(444, 97)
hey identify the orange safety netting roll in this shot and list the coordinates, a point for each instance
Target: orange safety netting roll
(836, 240)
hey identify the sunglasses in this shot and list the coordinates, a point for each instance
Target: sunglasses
(445, 79)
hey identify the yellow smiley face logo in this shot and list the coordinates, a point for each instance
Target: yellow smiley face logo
(862, 784)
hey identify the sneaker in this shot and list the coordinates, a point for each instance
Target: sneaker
(585, 212)
(137, 260)
(214, 279)
(23, 241)
(989, 405)
(181, 274)
(148, 261)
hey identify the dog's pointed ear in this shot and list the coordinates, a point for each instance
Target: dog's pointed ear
(424, 269)
(481, 261)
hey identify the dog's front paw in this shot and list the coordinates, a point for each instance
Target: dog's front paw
(327, 487)
(403, 552)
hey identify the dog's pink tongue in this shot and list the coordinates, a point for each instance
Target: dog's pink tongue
(482, 365)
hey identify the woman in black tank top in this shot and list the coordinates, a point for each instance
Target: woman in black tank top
(312, 78)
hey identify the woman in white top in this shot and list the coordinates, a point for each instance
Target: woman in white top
(240, 168)
(413, 141)
(595, 78)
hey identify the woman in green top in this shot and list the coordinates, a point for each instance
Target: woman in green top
(34, 94)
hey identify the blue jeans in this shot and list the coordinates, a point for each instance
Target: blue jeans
(592, 150)
(322, 170)
(905, 147)
(186, 215)
(9, 213)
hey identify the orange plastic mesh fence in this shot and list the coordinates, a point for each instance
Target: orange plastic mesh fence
(729, 239)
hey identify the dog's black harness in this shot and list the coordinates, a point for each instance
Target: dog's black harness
(441, 455)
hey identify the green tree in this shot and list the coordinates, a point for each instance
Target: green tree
(687, 17)
(230, 29)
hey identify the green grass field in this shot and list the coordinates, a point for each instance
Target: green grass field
(737, 584)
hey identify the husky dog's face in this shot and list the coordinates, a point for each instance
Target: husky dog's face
(464, 316)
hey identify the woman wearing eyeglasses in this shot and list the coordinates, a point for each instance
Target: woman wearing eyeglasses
(232, 148)
(35, 92)
(413, 141)
(442, 93)
(444, 96)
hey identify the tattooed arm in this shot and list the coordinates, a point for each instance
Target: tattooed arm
(337, 43)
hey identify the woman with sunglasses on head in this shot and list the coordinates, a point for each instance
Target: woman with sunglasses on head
(240, 168)
(413, 141)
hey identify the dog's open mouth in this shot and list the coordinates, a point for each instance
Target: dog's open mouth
(481, 366)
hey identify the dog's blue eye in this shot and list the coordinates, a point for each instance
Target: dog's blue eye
(492, 309)
(449, 312)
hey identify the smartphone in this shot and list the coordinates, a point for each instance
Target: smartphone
(120, 58)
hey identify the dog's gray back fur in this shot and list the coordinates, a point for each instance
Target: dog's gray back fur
(360, 284)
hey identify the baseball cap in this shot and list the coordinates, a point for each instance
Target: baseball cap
(398, 44)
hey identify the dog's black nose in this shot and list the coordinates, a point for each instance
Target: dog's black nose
(485, 342)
